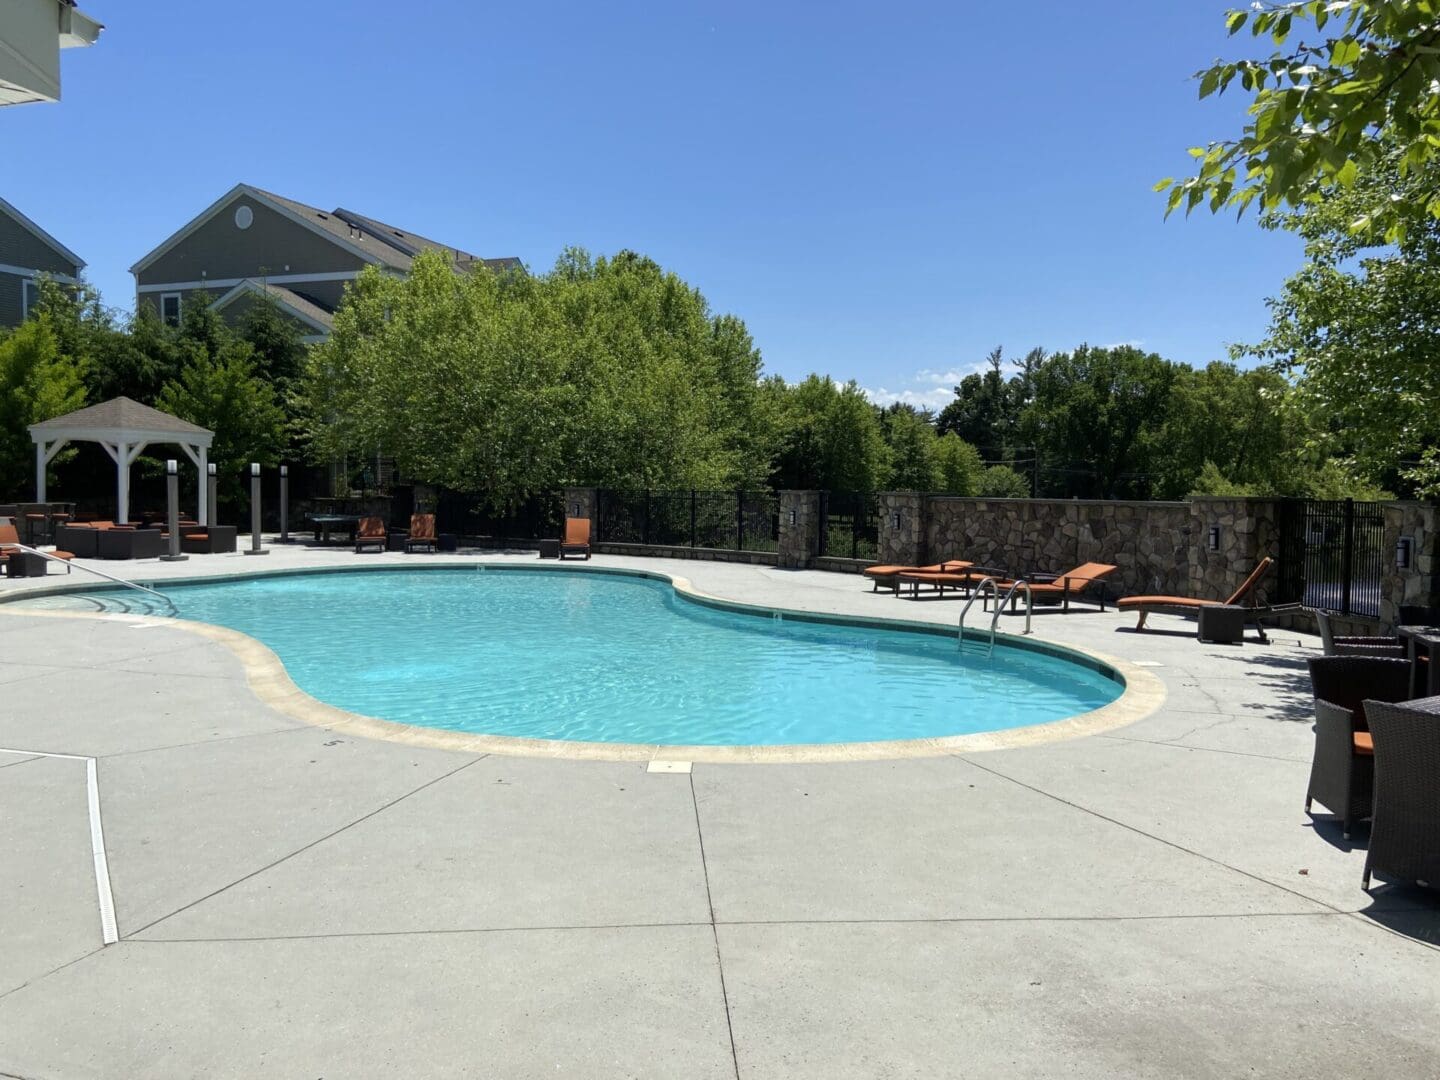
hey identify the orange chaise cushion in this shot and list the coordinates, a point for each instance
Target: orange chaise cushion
(1364, 743)
(1172, 601)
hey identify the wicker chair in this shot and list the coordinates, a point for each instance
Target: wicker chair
(1342, 775)
(1354, 645)
(1405, 832)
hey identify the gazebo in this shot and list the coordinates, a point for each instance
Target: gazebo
(124, 428)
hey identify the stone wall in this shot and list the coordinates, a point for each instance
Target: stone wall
(1249, 530)
(1148, 542)
(901, 544)
(1418, 585)
(799, 529)
(583, 503)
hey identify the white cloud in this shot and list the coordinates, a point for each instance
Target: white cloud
(1134, 343)
(935, 397)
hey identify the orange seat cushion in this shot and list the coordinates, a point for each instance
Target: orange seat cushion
(1170, 601)
(1364, 743)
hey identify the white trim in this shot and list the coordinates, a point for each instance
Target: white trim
(41, 235)
(179, 300)
(48, 89)
(32, 271)
(27, 286)
(314, 339)
(264, 200)
(104, 897)
(227, 283)
(251, 286)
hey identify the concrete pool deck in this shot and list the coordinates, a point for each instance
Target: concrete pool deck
(297, 901)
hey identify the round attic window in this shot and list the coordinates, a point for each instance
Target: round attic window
(243, 217)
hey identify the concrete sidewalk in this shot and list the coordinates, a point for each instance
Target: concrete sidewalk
(292, 903)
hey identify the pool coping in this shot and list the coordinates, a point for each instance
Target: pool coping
(1142, 694)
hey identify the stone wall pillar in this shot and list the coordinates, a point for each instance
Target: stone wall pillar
(799, 529)
(1419, 584)
(1249, 530)
(903, 521)
(584, 503)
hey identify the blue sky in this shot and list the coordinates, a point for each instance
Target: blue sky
(882, 192)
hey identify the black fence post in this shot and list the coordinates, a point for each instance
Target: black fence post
(645, 524)
(692, 517)
(739, 521)
(1347, 557)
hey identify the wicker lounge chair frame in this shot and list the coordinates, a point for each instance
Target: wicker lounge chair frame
(577, 538)
(962, 580)
(1190, 605)
(1405, 829)
(1342, 773)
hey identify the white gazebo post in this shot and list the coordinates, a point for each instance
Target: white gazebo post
(203, 498)
(40, 473)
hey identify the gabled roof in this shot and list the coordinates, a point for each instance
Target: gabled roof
(301, 307)
(121, 415)
(371, 240)
(40, 234)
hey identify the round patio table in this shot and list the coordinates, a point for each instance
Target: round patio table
(1422, 641)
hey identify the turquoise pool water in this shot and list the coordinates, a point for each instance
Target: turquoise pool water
(608, 658)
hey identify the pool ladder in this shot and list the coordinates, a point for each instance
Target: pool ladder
(1000, 603)
(91, 570)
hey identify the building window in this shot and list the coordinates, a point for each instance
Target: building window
(170, 308)
(29, 297)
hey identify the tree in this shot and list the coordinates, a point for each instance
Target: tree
(1325, 108)
(959, 465)
(829, 436)
(1098, 413)
(980, 413)
(1003, 482)
(37, 383)
(223, 393)
(911, 440)
(116, 360)
(1358, 328)
(274, 340)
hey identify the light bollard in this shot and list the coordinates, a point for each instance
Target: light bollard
(212, 495)
(284, 504)
(255, 548)
(172, 499)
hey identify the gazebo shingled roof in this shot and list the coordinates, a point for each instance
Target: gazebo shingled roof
(124, 428)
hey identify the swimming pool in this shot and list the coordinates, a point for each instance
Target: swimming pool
(619, 659)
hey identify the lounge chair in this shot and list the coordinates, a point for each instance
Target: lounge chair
(9, 541)
(940, 580)
(577, 537)
(422, 532)
(890, 575)
(208, 540)
(1353, 645)
(1405, 828)
(371, 533)
(1343, 770)
(1191, 605)
(1060, 588)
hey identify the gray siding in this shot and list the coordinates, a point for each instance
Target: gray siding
(235, 311)
(152, 300)
(274, 244)
(20, 247)
(9, 300)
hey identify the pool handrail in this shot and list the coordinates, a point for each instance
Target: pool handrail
(979, 591)
(90, 569)
(999, 607)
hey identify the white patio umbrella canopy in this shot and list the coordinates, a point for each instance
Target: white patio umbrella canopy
(124, 428)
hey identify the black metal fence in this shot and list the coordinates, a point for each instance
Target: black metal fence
(849, 524)
(728, 520)
(1332, 555)
(476, 520)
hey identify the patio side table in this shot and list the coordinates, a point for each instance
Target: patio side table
(1222, 624)
(549, 549)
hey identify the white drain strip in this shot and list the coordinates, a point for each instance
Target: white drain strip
(667, 766)
(109, 931)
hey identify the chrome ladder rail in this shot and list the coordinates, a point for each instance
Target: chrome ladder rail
(91, 570)
(979, 591)
(1000, 606)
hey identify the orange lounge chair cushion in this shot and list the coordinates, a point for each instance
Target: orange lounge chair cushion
(371, 528)
(1364, 743)
(927, 577)
(422, 527)
(1165, 601)
(577, 532)
(938, 568)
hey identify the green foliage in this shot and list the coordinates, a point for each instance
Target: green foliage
(1003, 482)
(609, 372)
(987, 406)
(1358, 327)
(959, 464)
(911, 440)
(224, 393)
(1211, 481)
(37, 382)
(827, 436)
(1098, 414)
(275, 339)
(1344, 80)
